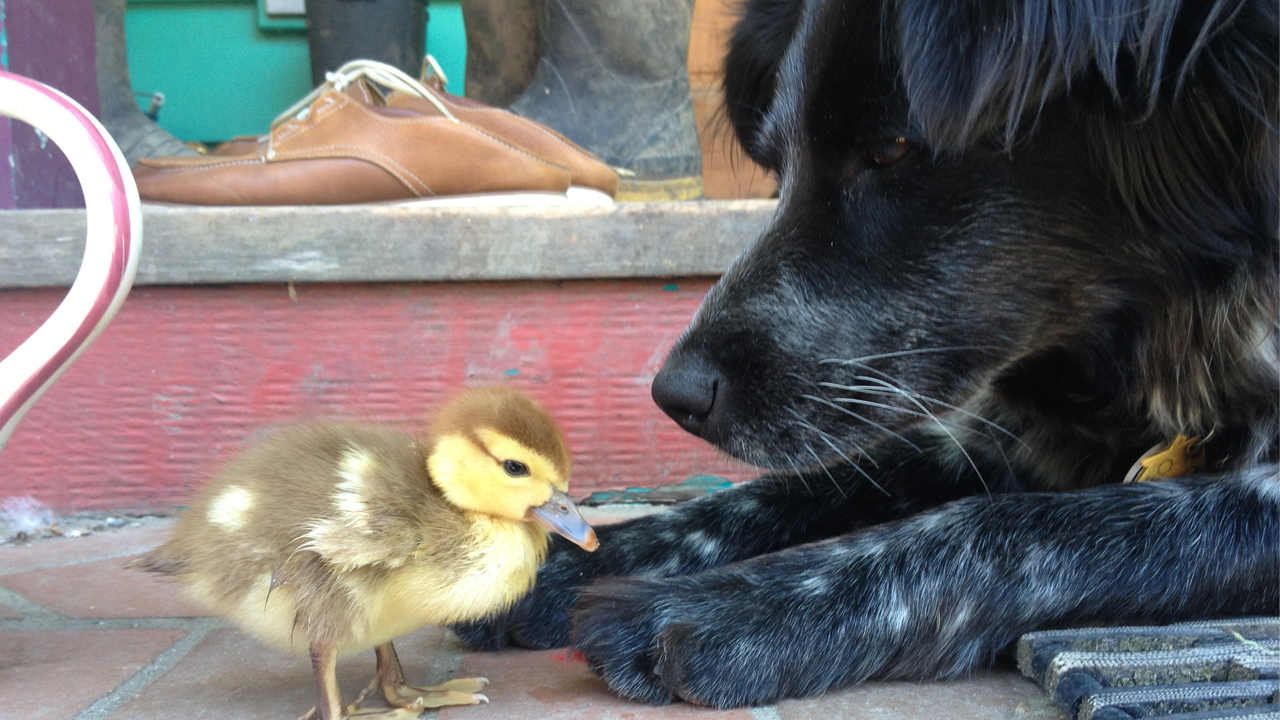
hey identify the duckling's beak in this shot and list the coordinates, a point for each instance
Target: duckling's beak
(561, 516)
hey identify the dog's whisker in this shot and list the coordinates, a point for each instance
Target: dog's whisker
(828, 437)
(983, 431)
(944, 429)
(894, 408)
(867, 389)
(1008, 466)
(799, 475)
(826, 470)
(853, 414)
(914, 397)
(801, 378)
(884, 388)
(904, 390)
(901, 353)
(897, 385)
(855, 466)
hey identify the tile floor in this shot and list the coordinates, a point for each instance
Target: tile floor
(81, 638)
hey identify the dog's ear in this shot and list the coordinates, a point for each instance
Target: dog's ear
(1180, 97)
(760, 39)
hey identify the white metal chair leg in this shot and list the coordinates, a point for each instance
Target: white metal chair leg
(111, 247)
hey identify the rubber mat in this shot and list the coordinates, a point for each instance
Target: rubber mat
(1188, 671)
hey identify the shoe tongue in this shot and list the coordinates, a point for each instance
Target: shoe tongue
(405, 101)
(366, 92)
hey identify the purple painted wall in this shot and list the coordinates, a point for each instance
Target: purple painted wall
(51, 41)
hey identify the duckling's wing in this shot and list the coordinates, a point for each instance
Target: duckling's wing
(373, 519)
(349, 546)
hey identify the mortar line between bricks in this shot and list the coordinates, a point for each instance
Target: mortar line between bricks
(162, 663)
(26, 608)
(60, 622)
(767, 712)
(443, 667)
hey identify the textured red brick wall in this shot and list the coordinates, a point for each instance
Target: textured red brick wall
(184, 375)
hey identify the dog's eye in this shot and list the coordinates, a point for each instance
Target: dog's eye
(888, 152)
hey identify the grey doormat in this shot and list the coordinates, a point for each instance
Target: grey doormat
(1188, 671)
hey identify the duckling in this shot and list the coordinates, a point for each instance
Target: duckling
(330, 538)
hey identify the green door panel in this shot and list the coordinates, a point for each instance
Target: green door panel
(224, 75)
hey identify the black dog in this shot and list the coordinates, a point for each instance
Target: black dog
(1019, 243)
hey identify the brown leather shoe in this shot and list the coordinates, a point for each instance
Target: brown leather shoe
(347, 144)
(589, 174)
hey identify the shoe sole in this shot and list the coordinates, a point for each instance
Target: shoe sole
(577, 196)
(574, 196)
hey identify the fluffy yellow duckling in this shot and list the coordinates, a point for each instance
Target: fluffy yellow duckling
(331, 538)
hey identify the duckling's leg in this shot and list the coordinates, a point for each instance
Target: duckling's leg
(329, 705)
(463, 691)
(324, 665)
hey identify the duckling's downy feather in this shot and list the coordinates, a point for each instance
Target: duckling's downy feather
(334, 533)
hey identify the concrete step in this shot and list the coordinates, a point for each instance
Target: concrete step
(382, 243)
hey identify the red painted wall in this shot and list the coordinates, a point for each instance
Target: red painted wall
(184, 375)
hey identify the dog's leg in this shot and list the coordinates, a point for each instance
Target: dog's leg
(936, 594)
(761, 516)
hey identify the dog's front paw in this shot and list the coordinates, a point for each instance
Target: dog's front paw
(655, 640)
(615, 625)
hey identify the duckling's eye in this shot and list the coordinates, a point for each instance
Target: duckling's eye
(515, 468)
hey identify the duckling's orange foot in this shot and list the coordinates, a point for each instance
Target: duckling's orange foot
(463, 691)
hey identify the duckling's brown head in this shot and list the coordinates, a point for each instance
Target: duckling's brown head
(494, 450)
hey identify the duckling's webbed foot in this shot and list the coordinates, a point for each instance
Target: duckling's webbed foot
(400, 694)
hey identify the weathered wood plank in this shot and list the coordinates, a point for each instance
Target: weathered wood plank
(194, 245)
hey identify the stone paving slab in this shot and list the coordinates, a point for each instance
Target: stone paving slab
(55, 673)
(551, 684)
(229, 676)
(122, 646)
(102, 589)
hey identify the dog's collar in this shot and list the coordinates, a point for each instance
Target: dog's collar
(1181, 457)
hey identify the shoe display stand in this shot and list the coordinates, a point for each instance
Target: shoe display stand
(247, 317)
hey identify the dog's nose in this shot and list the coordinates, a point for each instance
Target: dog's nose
(685, 389)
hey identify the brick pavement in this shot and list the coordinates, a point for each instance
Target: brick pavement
(82, 639)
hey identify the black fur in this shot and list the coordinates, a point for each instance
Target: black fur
(951, 356)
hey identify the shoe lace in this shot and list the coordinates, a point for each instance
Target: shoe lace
(430, 67)
(380, 73)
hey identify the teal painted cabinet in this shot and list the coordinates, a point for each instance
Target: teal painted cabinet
(226, 68)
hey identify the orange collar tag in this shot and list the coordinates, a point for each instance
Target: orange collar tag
(1178, 458)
